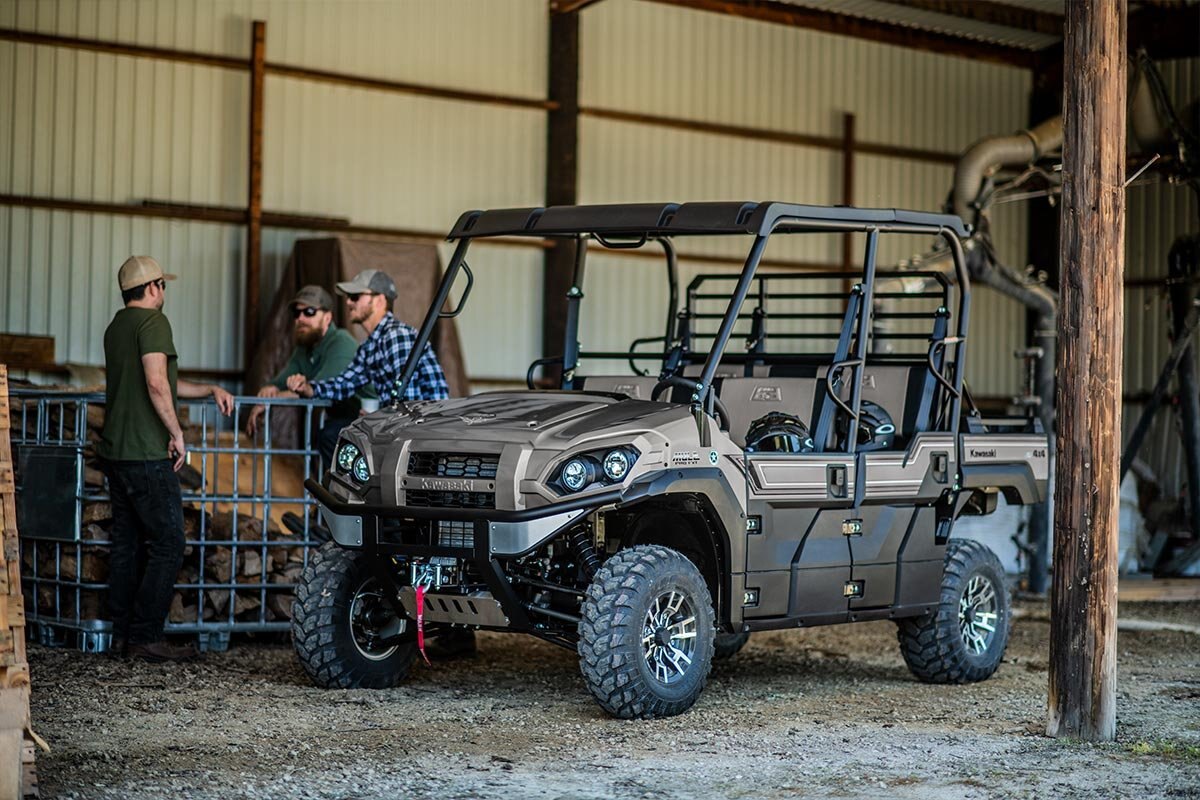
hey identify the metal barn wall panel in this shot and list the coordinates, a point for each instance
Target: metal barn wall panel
(493, 46)
(396, 160)
(672, 61)
(100, 127)
(60, 280)
(1157, 214)
(717, 69)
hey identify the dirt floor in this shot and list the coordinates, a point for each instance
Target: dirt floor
(828, 712)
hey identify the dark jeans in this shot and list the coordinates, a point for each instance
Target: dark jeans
(147, 547)
(327, 437)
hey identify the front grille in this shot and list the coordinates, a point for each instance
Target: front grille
(421, 498)
(455, 533)
(454, 465)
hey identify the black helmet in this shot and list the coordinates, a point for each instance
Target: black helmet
(777, 432)
(876, 431)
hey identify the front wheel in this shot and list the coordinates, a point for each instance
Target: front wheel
(646, 636)
(964, 639)
(345, 633)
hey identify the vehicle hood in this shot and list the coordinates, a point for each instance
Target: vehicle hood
(538, 418)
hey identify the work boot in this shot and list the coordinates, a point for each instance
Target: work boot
(452, 644)
(118, 648)
(158, 652)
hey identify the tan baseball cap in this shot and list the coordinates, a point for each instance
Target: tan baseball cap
(138, 270)
(314, 297)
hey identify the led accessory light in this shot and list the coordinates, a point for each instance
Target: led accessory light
(616, 465)
(346, 455)
(577, 474)
(361, 472)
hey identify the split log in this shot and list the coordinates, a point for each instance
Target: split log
(97, 512)
(93, 477)
(279, 605)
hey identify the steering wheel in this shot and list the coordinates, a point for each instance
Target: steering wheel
(678, 380)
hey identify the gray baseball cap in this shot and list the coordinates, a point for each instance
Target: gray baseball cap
(375, 281)
(313, 296)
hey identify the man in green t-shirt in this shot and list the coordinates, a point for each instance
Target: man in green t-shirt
(141, 448)
(322, 350)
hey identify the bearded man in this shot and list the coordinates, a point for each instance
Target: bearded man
(322, 350)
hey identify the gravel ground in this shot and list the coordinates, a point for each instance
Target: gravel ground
(827, 712)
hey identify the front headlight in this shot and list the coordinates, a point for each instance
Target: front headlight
(616, 465)
(578, 473)
(346, 456)
(361, 471)
(608, 466)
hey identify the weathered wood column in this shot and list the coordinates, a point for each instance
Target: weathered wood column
(258, 63)
(1083, 626)
(562, 138)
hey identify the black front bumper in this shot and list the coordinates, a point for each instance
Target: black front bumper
(387, 532)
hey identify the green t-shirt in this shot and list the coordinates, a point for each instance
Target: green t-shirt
(328, 358)
(132, 429)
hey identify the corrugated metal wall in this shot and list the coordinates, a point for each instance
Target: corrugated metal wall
(114, 128)
(668, 61)
(1157, 214)
(100, 127)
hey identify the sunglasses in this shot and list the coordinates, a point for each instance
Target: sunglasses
(307, 311)
(353, 298)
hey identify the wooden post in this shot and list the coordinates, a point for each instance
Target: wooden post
(562, 138)
(258, 69)
(1083, 627)
(14, 668)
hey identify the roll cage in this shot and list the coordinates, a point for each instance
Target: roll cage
(635, 225)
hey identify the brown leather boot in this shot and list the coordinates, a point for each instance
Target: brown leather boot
(159, 652)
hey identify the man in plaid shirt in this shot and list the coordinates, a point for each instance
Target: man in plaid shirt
(380, 359)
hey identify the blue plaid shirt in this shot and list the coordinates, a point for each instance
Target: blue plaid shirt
(380, 360)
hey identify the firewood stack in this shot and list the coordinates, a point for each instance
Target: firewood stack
(221, 550)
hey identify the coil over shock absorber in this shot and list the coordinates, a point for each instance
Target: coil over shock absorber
(581, 544)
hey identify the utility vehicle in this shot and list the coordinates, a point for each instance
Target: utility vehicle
(792, 451)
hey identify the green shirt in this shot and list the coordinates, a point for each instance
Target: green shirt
(326, 359)
(132, 429)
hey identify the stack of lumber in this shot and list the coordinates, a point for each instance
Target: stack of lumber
(17, 777)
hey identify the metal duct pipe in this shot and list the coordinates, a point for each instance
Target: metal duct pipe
(988, 155)
(1145, 126)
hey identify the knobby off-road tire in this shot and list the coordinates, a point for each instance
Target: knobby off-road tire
(964, 640)
(727, 645)
(338, 607)
(646, 634)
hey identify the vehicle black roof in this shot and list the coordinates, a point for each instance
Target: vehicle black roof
(694, 219)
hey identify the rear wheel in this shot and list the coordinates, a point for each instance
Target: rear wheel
(344, 631)
(964, 639)
(646, 637)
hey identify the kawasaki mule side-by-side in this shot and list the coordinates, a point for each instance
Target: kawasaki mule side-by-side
(792, 451)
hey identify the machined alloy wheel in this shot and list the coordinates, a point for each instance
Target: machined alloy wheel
(344, 632)
(964, 639)
(646, 633)
(977, 614)
(669, 637)
(373, 623)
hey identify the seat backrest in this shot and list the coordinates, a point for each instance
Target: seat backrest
(747, 399)
(637, 387)
(898, 389)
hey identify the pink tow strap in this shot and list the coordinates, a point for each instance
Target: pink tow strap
(421, 622)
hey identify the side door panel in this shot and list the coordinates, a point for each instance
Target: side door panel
(800, 543)
(916, 477)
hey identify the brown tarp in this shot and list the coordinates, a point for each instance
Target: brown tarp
(415, 268)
